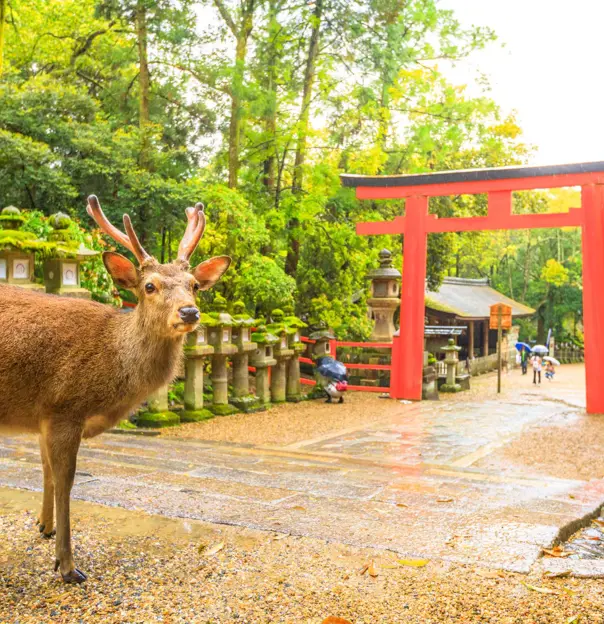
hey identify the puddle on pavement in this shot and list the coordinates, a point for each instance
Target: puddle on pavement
(588, 543)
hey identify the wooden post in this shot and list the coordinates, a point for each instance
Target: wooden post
(471, 340)
(499, 352)
(485, 345)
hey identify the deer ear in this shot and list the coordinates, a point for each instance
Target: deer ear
(122, 271)
(209, 272)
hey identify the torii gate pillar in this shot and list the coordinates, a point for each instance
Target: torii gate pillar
(498, 184)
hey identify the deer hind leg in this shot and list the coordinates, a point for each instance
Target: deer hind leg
(62, 444)
(46, 517)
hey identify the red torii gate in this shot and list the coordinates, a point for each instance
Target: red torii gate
(498, 184)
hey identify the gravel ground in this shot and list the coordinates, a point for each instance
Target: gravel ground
(288, 423)
(151, 569)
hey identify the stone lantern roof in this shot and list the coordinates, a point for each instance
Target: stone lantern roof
(240, 316)
(385, 270)
(65, 245)
(219, 315)
(13, 238)
(263, 337)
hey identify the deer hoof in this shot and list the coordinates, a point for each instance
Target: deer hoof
(73, 576)
(46, 534)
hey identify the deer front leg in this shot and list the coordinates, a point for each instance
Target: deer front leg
(46, 517)
(62, 444)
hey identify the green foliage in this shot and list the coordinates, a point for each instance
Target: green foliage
(73, 122)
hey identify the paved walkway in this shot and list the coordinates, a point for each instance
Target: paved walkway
(412, 483)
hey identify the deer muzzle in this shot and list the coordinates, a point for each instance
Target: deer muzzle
(189, 315)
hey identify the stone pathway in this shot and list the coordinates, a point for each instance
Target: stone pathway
(409, 484)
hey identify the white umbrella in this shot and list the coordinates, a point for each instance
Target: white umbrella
(539, 349)
(553, 360)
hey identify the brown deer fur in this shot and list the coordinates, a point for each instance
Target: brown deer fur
(72, 368)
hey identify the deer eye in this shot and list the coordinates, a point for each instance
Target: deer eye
(150, 288)
(195, 287)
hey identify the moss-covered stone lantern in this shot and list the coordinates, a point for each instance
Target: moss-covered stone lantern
(17, 249)
(157, 414)
(385, 297)
(322, 338)
(293, 325)
(197, 351)
(282, 354)
(262, 359)
(242, 338)
(220, 325)
(451, 359)
(62, 268)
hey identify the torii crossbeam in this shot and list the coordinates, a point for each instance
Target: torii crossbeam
(498, 184)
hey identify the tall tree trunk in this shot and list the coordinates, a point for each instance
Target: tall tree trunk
(2, 27)
(293, 252)
(144, 114)
(270, 117)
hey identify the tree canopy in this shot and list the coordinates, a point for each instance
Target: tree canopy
(255, 107)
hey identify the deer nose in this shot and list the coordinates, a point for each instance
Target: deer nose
(189, 314)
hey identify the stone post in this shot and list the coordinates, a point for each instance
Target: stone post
(197, 350)
(157, 413)
(385, 297)
(451, 359)
(282, 354)
(294, 325)
(262, 359)
(220, 325)
(242, 399)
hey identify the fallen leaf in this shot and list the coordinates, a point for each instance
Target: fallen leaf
(401, 505)
(214, 549)
(595, 538)
(335, 620)
(574, 619)
(299, 508)
(414, 563)
(570, 592)
(364, 569)
(541, 590)
(445, 500)
(599, 522)
(557, 574)
(371, 569)
(571, 496)
(556, 551)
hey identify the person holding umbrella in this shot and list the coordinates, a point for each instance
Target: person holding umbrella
(524, 351)
(550, 364)
(536, 362)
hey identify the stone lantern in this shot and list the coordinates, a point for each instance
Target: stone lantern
(62, 269)
(321, 346)
(262, 359)
(158, 412)
(220, 326)
(451, 359)
(17, 250)
(293, 325)
(242, 333)
(385, 297)
(282, 353)
(197, 350)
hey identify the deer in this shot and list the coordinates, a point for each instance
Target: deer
(72, 368)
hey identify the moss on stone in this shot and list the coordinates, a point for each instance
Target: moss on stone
(223, 410)
(188, 416)
(125, 424)
(156, 420)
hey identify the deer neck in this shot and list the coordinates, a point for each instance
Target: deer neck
(149, 359)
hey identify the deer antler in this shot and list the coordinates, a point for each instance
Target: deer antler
(195, 227)
(129, 241)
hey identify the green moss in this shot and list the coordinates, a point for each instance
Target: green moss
(223, 410)
(441, 307)
(125, 424)
(156, 420)
(187, 416)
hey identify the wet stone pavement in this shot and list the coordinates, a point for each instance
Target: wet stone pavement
(409, 484)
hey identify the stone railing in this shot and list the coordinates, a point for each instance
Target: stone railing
(569, 354)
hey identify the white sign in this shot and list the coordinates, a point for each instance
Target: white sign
(70, 274)
(2, 268)
(225, 335)
(21, 268)
(245, 335)
(284, 342)
(201, 336)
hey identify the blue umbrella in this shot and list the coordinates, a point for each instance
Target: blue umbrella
(522, 346)
(330, 368)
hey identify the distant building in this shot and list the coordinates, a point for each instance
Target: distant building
(465, 302)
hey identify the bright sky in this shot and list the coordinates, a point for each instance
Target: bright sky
(550, 71)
